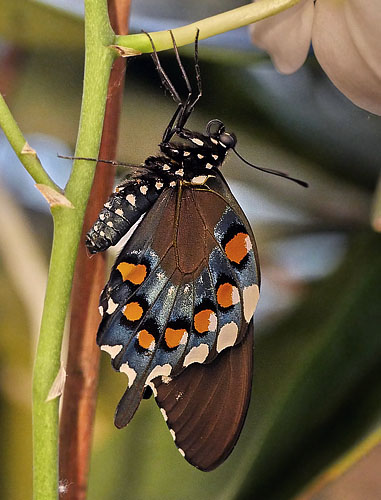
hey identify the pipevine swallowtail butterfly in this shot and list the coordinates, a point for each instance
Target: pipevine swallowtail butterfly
(177, 311)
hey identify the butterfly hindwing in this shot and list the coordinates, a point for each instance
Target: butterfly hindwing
(206, 405)
(176, 295)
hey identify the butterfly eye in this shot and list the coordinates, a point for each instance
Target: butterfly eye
(228, 140)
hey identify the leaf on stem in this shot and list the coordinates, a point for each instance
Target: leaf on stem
(58, 385)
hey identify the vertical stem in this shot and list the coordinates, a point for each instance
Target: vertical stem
(67, 231)
(76, 423)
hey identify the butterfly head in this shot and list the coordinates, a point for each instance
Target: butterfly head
(215, 129)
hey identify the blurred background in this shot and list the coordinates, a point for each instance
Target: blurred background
(316, 394)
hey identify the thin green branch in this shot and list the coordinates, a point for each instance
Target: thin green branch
(67, 231)
(26, 154)
(230, 20)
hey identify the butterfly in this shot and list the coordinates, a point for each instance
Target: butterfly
(177, 311)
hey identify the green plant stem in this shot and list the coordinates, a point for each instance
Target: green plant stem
(18, 142)
(67, 231)
(232, 19)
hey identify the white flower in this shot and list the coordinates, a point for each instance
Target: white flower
(346, 38)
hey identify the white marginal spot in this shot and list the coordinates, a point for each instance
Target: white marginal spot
(186, 153)
(214, 140)
(119, 211)
(102, 233)
(101, 311)
(130, 372)
(215, 157)
(110, 224)
(248, 243)
(175, 150)
(235, 296)
(107, 204)
(250, 300)
(197, 354)
(212, 322)
(208, 165)
(111, 306)
(113, 350)
(200, 179)
(179, 395)
(222, 144)
(166, 167)
(182, 453)
(143, 189)
(172, 183)
(101, 216)
(159, 185)
(200, 156)
(164, 413)
(180, 172)
(227, 336)
(184, 338)
(131, 199)
(159, 370)
(199, 142)
(172, 432)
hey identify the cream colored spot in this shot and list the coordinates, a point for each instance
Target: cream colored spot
(107, 205)
(119, 211)
(181, 452)
(184, 338)
(250, 300)
(159, 370)
(186, 153)
(102, 233)
(101, 311)
(110, 224)
(172, 432)
(102, 216)
(199, 142)
(200, 156)
(200, 179)
(166, 380)
(130, 372)
(180, 172)
(222, 144)
(143, 189)
(215, 157)
(159, 185)
(213, 140)
(164, 413)
(197, 354)
(113, 350)
(131, 199)
(166, 167)
(111, 306)
(227, 336)
(209, 165)
(172, 183)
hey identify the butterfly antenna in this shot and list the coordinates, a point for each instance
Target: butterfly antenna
(271, 171)
(111, 162)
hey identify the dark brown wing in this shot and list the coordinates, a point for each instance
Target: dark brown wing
(206, 405)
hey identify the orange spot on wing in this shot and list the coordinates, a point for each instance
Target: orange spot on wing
(173, 337)
(133, 311)
(238, 247)
(145, 339)
(202, 320)
(133, 273)
(226, 295)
